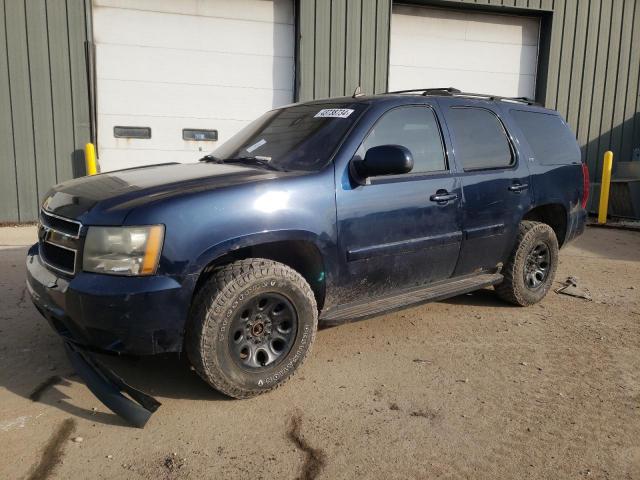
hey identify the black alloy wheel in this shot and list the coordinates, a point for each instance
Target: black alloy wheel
(537, 265)
(263, 331)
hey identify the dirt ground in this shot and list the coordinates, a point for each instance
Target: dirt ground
(464, 388)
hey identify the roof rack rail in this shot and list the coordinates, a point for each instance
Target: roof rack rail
(527, 100)
(454, 92)
(499, 98)
(430, 91)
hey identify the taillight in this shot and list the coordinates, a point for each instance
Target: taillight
(585, 185)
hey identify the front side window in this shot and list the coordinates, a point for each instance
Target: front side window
(415, 128)
(298, 138)
(480, 139)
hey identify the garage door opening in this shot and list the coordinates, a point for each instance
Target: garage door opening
(472, 51)
(186, 72)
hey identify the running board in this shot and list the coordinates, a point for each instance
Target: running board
(431, 293)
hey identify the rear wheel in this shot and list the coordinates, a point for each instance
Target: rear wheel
(251, 327)
(529, 272)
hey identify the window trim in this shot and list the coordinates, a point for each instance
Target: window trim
(514, 152)
(411, 175)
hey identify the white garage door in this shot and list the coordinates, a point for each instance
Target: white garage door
(187, 64)
(474, 52)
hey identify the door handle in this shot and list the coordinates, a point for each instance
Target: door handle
(442, 197)
(518, 187)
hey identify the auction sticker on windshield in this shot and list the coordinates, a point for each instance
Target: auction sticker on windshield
(334, 113)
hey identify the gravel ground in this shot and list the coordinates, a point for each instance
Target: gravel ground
(465, 388)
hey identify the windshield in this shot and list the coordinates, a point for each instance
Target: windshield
(301, 137)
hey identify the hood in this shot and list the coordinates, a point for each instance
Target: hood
(106, 199)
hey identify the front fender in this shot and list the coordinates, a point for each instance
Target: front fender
(260, 238)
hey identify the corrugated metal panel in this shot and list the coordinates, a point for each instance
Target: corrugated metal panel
(591, 73)
(338, 36)
(9, 195)
(352, 46)
(21, 113)
(44, 105)
(343, 44)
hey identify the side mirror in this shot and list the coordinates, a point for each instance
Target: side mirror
(384, 160)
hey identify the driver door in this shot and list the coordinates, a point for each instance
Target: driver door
(393, 232)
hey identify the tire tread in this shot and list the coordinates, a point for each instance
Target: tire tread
(510, 289)
(220, 288)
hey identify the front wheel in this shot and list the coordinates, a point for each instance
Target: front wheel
(529, 272)
(251, 327)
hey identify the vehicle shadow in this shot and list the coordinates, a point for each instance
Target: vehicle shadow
(481, 298)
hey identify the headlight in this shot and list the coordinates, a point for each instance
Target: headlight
(123, 250)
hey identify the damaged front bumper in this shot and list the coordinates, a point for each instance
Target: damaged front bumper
(103, 313)
(132, 315)
(109, 388)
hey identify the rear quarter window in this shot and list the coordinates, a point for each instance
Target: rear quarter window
(549, 137)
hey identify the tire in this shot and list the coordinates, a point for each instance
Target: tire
(523, 283)
(251, 327)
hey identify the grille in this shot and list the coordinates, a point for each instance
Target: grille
(60, 224)
(59, 240)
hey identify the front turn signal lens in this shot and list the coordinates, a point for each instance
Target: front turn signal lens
(152, 251)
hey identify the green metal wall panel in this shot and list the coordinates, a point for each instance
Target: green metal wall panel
(589, 69)
(8, 188)
(343, 44)
(44, 101)
(21, 113)
(352, 45)
(323, 49)
(338, 38)
(368, 46)
(383, 25)
(632, 98)
(39, 68)
(78, 35)
(61, 88)
(573, 95)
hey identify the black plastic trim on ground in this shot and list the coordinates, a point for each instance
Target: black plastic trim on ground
(108, 388)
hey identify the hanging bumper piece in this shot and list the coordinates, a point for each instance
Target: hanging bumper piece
(109, 388)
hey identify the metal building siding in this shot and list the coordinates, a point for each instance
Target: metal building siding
(590, 72)
(44, 103)
(342, 44)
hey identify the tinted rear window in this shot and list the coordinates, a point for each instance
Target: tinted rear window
(549, 137)
(480, 139)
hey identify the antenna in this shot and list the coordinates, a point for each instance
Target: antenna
(357, 92)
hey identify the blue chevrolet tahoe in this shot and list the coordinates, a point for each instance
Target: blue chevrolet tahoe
(324, 211)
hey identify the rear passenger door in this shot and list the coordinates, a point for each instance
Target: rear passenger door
(495, 183)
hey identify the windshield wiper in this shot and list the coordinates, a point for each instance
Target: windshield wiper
(211, 158)
(261, 161)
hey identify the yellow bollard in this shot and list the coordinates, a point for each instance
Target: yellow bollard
(90, 159)
(604, 187)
